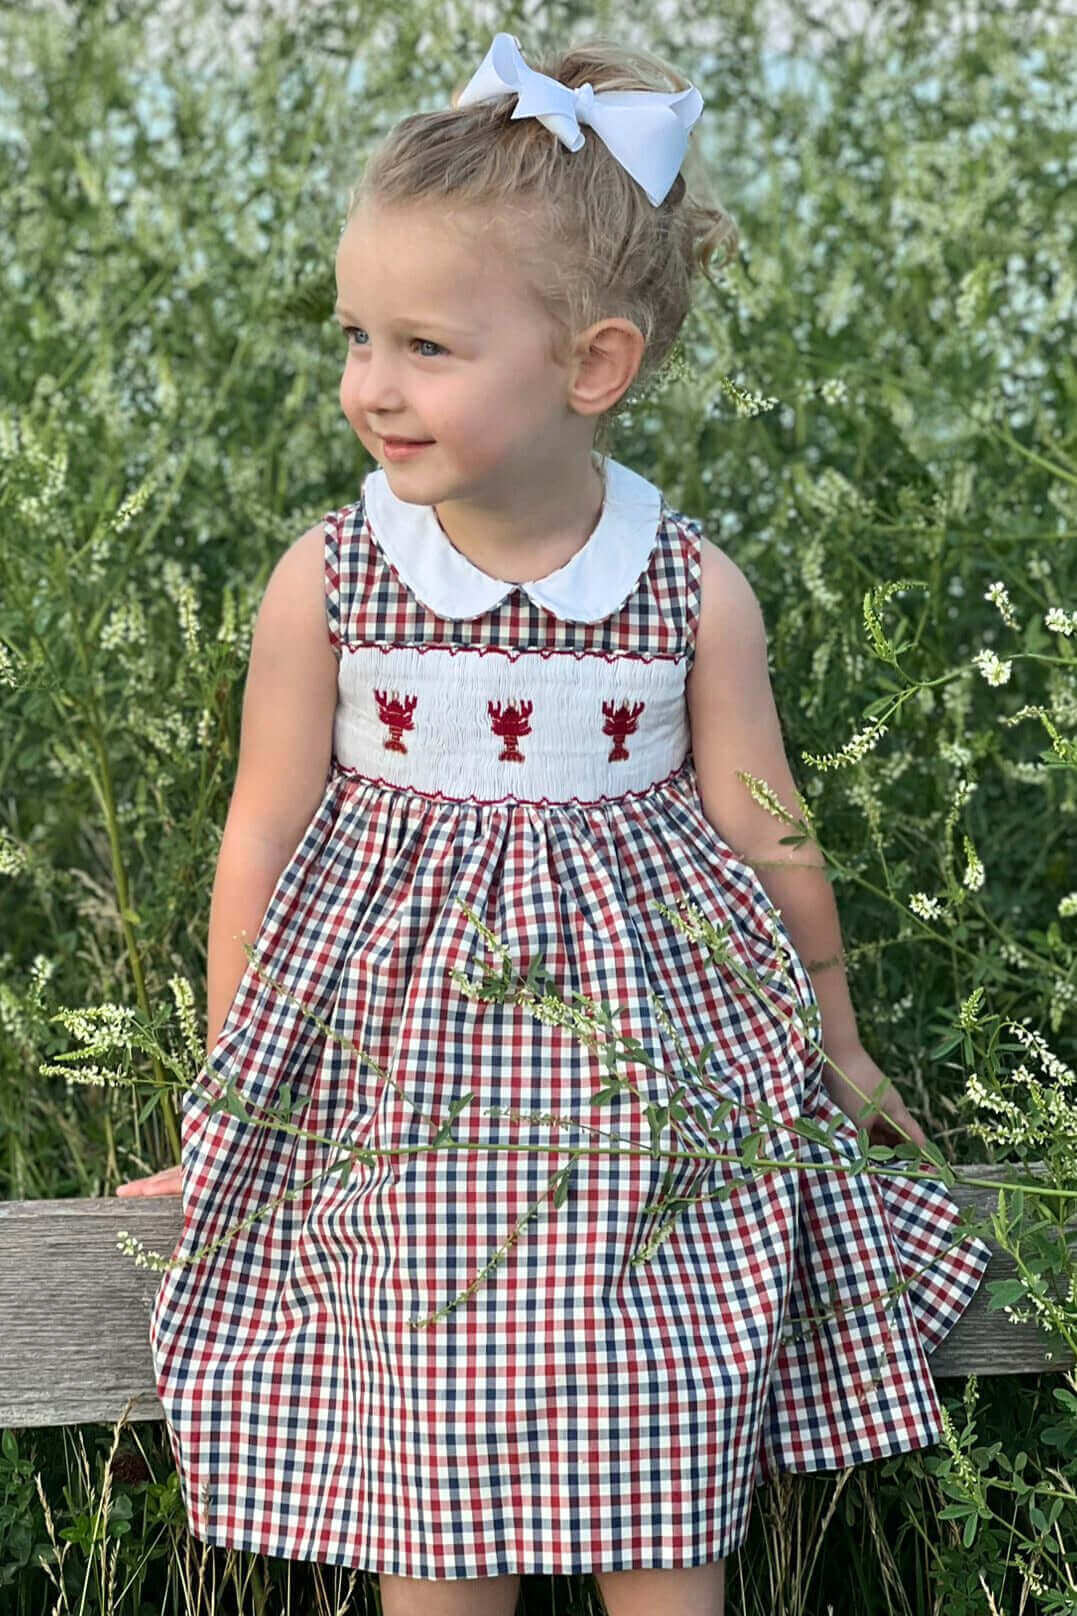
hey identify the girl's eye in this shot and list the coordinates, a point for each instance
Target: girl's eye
(348, 329)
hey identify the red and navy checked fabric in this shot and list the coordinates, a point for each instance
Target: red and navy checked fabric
(430, 1368)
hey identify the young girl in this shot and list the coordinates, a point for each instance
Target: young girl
(528, 958)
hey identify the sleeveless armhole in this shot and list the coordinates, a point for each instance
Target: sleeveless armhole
(693, 594)
(332, 579)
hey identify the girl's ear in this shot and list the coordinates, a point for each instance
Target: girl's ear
(606, 358)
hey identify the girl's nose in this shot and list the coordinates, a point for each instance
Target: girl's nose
(376, 386)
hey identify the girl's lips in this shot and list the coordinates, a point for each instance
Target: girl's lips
(403, 448)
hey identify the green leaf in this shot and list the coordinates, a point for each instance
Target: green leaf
(445, 1131)
(808, 1128)
(151, 1105)
(906, 1152)
(935, 1155)
(1005, 1292)
(235, 1105)
(657, 1116)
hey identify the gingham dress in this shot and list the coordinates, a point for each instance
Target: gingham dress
(508, 1340)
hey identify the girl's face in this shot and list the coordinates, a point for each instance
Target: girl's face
(447, 344)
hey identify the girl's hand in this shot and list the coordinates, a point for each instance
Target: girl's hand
(167, 1182)
(878, 1107)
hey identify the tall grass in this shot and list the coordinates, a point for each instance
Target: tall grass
(873, 413)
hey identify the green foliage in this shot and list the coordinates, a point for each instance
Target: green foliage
(872, 412)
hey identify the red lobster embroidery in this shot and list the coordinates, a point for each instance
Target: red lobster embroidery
(397, 714)
(510, 722)
(620, 721)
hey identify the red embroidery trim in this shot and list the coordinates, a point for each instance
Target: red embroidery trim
(620, 721)
(515, 655)
(397, 714)
(340, 770)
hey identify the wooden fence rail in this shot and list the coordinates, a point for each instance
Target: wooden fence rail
(74, 1309)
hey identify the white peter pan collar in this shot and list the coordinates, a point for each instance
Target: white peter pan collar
(594, 582)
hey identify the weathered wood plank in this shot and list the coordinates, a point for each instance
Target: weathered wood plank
(74, 1310)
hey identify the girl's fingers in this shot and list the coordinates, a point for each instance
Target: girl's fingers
(168, 1181)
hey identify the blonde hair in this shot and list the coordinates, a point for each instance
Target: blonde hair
(580, 230)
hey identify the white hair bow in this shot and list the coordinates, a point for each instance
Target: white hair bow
(646, 130)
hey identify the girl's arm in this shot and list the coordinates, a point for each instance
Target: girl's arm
(284, 753)
(734, 725)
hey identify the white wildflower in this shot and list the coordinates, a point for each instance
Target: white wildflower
(1067, 906)
(183, 994)
(956, 753)
(12, 1019)
(1034, 1041)
(102, 1026)
(135, 503)
(94, 1076)
(169, 734)
(985, 1099)
(1025, 769)
(927, 908)
(1061, 622)
(41, 970)
(13, 855)
(181, 591)
(999, 596)
(994, 670)
(7, 668)
(834, 390)
(853, 750)
(968, 1016)
(1063, 995)
(832, 493)
(1064, 707)
(126, 625)
(812, 572)
(9, 434)
(957, 697)
(744, 401)
(143, 1256)
(974, 873)
(187, 607)
(226, 633)
(963, 792)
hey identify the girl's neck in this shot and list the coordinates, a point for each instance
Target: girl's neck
(540, 534)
